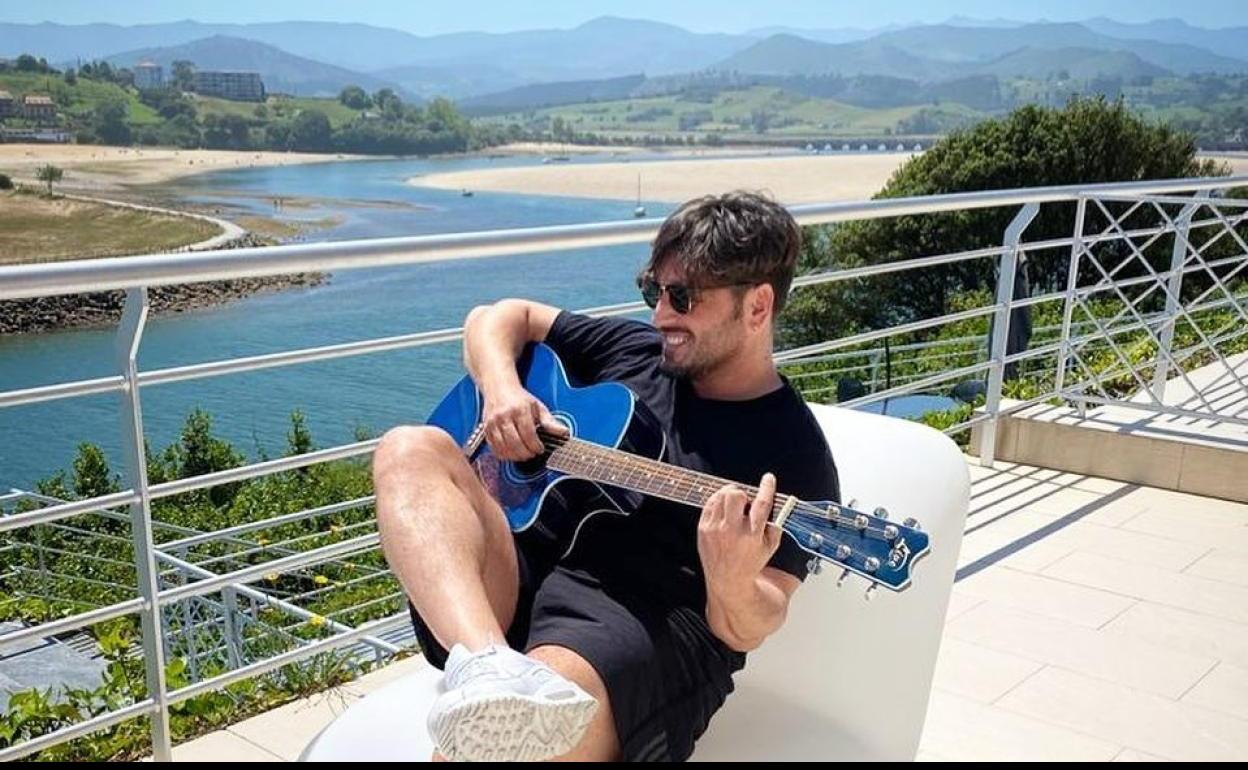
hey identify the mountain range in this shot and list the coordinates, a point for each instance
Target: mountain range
(319, 58)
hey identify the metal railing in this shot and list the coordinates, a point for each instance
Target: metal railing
(1147, 377)
(153, 565)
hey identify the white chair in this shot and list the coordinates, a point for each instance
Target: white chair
(845, 679)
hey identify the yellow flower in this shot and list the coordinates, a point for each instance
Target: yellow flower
(320, 580)
(316, 620)
(271, 577)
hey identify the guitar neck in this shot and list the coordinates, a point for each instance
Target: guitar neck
(616, 467)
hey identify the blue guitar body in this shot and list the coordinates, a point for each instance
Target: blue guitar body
(537, 500)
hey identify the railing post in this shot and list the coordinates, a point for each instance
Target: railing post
(233, 634)
(1001, 328)
(1072, 282)
(129, 335)
(1178, 255)
(188, 623)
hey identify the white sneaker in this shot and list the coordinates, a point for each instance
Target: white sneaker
(500, 705)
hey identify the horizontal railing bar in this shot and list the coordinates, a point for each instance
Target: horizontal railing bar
(26, 748)
(66, 510)
(243, 472)
(114, 384)
(247, 574)
(275, 521)
(73, 622)
(819, 347)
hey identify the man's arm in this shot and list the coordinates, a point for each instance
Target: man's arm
(746, 599)
(494, 337)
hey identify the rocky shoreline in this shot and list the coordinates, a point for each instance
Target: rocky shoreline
(102, 309)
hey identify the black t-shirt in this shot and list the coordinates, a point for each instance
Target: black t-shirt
(655, 548)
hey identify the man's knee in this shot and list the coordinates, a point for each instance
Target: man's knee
(414, 448)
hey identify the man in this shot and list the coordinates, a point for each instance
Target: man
(631, 640)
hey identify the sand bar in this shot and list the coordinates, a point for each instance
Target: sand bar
(789, 178)
(97, 167)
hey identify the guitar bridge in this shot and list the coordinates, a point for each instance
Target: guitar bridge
(473, 444)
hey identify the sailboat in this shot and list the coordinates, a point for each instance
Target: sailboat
(640, 211)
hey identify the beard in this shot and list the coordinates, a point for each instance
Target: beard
(705, 353)
(709, 350)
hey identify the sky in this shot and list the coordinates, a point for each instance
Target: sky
(438, 16)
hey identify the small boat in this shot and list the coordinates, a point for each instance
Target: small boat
(466, 192)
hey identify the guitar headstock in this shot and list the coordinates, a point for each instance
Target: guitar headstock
(867, 544)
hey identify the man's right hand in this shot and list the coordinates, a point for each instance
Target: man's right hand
(511, 417)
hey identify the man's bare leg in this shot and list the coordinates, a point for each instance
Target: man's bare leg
(600, 743)
(445, 538)
(450, 545)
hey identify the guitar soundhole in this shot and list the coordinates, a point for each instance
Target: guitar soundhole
(531, 467)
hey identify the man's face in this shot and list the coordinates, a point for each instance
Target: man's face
(702, 340)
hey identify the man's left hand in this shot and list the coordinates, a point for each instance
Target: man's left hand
(735, 542)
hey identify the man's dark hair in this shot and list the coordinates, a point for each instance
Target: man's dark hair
(738, 237)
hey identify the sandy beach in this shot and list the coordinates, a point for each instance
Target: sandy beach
(95, 167)
(789, 178)
(1237, 161)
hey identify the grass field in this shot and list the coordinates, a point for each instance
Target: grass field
(736, 114)
(34, 228)
(277, 106)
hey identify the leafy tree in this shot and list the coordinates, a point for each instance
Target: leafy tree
(311, 131)
(199, 452)
(92, 477)
(387, 100)
(49, 174)
(108, 122)
(299, 438)
(355, 97)
(1088, 141)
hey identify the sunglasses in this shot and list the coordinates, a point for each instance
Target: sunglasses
(680, 296)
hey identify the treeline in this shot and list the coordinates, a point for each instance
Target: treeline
(389, 127)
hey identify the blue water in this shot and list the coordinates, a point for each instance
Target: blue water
(372, 392)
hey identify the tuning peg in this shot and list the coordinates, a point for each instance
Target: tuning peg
(912, 523)
(871, 564)
(870, 590)
(814, 566)
(881, 513)
(853, 503)
(891, 532)
(843, 552)
(840, 581)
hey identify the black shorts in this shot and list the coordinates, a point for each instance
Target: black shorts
(666, 674)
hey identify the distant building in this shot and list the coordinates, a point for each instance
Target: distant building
(239, 86)
(38, 107)
(7, 106)
(46, 135)
(148, 76)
